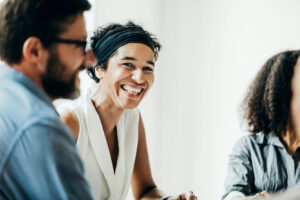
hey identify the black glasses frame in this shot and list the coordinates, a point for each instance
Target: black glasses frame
(79, 43)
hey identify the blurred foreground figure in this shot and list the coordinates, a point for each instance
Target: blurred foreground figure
(42, 46)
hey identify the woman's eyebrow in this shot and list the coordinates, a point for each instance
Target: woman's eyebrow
(132, 58)
(128, 58)
(151, 63)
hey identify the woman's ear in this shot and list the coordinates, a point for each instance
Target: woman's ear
(99, 72)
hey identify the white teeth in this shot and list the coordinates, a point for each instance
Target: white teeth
(132, 90)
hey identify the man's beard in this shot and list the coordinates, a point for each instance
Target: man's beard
(54, 79)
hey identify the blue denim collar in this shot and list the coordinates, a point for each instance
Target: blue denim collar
(9, 73)
(269, 138)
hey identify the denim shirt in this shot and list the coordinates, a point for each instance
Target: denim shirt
(261, 163)
(38, 156)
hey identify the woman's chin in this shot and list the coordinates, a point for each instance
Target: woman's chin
(130, 101)
(130, 104)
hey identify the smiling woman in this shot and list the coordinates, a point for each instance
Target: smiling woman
(107, 125)
(129, 75)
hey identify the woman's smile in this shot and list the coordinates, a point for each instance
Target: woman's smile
(132, 91)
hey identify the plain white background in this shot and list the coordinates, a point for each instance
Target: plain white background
(212, 49)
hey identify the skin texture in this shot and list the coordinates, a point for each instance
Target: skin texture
(131, 67)
(291, 138)
(295, 102)
(257, 196)
(35, 58)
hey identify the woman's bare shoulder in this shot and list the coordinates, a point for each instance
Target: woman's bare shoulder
(71, 121)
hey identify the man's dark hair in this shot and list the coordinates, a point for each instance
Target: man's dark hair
(267, 103)
(45, 19)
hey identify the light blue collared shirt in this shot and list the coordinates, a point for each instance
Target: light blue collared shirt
(38, 156)
(261, 163)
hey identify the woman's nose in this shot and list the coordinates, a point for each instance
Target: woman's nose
(138, 76)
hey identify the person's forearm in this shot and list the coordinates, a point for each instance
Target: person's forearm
(243, 198)
(291, 194)
(153, 194)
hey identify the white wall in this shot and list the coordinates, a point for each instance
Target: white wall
(211, 51)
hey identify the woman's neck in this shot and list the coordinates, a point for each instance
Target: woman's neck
(108, 112)
(290, 141)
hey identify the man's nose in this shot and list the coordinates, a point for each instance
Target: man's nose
(89, 59)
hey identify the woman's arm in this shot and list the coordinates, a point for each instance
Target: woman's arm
(143, 186)
(142, 182)
(71, 121)
(257, 196)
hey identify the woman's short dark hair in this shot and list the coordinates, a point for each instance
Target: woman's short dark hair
(266, 106)
(107, 39)
(45, 19)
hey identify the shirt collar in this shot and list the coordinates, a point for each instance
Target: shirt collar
(10, 73)
(269, 138)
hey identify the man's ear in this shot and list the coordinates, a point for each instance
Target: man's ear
(34, 53)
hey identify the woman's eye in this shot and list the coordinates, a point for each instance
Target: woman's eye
(148, 69)
(128, 65)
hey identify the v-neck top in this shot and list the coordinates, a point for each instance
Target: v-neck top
(91, 143)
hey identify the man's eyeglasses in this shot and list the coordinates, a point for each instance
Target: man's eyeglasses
(78, 43)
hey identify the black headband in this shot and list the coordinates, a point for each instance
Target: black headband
(116, 38)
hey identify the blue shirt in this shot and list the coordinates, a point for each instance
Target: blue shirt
(261, 162)
(38, 156)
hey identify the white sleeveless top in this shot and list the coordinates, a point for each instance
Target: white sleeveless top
(94, 151)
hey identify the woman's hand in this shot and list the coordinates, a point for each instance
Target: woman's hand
(262, 194)
(184, 196)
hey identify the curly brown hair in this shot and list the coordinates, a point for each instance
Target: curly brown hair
(266, 107)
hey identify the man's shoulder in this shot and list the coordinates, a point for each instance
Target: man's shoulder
(37, 128)
(27, 121)
(46, 135)
(48, 153)
(18, 104)
(48, 130)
